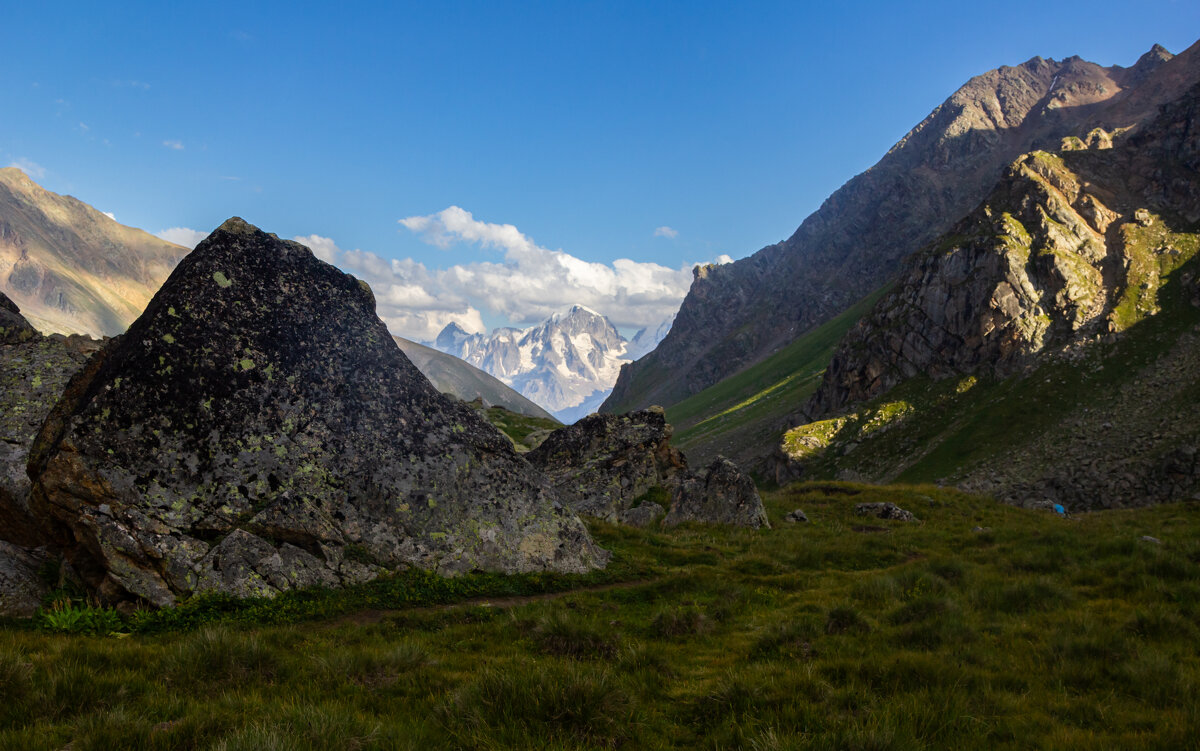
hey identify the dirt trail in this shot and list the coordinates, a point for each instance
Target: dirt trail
(367, 617)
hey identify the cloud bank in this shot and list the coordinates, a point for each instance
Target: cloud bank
(188, 238)
(526, 285)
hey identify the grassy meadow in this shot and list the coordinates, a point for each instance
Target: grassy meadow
(980, 626)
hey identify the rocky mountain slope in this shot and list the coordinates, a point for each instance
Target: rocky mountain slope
(739, 313)
(1079, 268)
(256, 429)
(453, 376)
(566, 364)
(70, 268)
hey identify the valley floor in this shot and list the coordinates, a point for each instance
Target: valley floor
(980, 626)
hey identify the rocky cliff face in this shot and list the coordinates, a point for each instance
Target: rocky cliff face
(738, 313)
(622, 468)
(257, 429)
(1067, 247)
(72, 269)
(1061, 276)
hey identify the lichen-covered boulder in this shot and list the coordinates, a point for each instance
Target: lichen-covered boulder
(722, 494)
(603, 464)
(614, 466)
(257, 429)
(33, 371)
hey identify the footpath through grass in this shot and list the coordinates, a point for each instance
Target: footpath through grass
(981, 626)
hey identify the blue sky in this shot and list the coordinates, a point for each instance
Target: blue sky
(586, 126)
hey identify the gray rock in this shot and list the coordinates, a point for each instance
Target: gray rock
(795, 516)
(33, 371)
(21, 588)
(256, 423)
(641, 516)
(722, 495)
(1154, 540)
(884, 511)
(603, 464)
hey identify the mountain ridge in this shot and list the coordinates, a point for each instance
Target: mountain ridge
(737, 314)
(565, 364)
(71, 268)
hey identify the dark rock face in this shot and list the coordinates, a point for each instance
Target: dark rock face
(33, 371)
(722, 495)
(888, 511)
(607, 464)
(603, 463)
(21, 589)
(257, 429)
(738, 313)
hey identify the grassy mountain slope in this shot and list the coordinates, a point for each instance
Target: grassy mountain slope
(743, 416)
(70, 268)
(451, 375)
(981, 626)
(1108, 423)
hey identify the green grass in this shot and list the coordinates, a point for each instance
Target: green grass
(523, 430)
(1033, 632)
(743, 410)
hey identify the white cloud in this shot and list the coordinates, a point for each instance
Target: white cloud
(176, 145)
(29, 167)
(110, 215)
(188, 238)
(527, 285)
(665, 231)
(532, 282)
(409, 299)
(723, 259)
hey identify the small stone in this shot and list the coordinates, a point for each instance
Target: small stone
(795, 516)
(884, 511)
(1154, 540)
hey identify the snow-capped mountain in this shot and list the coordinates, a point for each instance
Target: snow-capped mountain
(567, 364)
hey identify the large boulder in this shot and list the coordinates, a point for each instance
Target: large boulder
(616, 467)
(723, 494)
(257, 429)
(605, 463)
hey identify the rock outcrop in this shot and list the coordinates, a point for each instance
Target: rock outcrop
(1071, 288)
(722, 494)
(738, 313)
(33, 371)
(604, 463)
(1067, 247)
(615, 467)
(257, 429)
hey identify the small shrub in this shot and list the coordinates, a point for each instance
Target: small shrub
(684, 620)
(791, 640)
(530, 704)
(557, 633)
(845, 619)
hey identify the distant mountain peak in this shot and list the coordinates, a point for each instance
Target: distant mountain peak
(567, 363)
